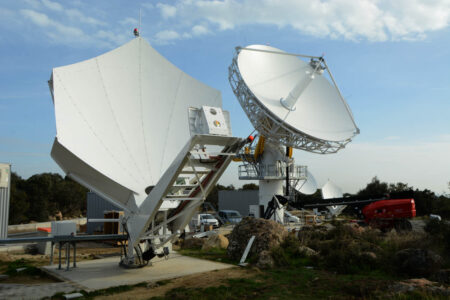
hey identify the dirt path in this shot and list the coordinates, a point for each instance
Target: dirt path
(202, 280)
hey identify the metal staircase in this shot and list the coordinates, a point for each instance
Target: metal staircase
(176, 197)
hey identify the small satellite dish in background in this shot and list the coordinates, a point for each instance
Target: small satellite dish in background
(329, 191)
(309, 186)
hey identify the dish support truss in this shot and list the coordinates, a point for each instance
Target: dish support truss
(174, 200)
(269, 125)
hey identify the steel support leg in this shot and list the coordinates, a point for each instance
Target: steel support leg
(74, 254)
(67, 256)
(59, 261)
(51, 252)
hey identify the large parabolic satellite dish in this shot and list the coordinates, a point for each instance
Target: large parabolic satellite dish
(122, 117)
(138, 131)
(291, 103)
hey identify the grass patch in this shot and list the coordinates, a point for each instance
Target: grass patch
(104, 292)
(24, 269)
(214, 254)
(163, 282)
(291, 282)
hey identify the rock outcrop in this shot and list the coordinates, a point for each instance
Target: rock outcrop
(268, 234)
(215, 241)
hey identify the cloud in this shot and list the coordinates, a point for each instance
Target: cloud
(77, 15)
(71, 35)
(166, 36)
(52, 5)
(129, 21)
(392, 138)
(147, 5)
(37, 18)
(43, 20)
(372, 20)
(421, 165)
(167, 11)
(198, 30)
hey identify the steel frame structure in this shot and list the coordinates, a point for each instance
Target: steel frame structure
(271, 126)
(260, 171)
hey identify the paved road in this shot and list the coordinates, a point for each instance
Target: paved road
(33, 291)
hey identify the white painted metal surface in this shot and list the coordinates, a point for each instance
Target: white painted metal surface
(64, 228)
(188, 165)
(309, 186)
(121, 119)
(246, 251)
(331, 190)
(290, 103)
(123, 130)
(319, 111)
(5, 174)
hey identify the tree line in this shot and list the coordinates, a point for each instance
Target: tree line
(42, 196)
(427, 202)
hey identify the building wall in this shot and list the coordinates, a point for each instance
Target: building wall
(239, 200)
(96, 207)
(5, 184)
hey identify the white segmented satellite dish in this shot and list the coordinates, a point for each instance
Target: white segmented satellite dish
(290, 101)
(122, 117)
(138, 131)
(331, 190)
(309, 186)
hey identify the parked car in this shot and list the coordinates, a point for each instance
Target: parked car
(435, 217)
(208, 219)
(290, 218)
(230, 216)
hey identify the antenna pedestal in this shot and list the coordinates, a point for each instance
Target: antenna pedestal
(267, 189)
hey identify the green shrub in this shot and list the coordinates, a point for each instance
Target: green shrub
(439, 238)
(440, 231)
(12, 267)
(287, 252)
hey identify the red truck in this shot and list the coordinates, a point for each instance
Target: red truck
(382, 212)
(388, 214)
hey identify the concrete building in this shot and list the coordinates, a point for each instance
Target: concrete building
(239, 200)
(96, 207)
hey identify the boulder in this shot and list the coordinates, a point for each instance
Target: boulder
(215, 241)
(306, 251)
(369, 255)
(268, 234)
(419, 284)
(417, 262)
(265, 260)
